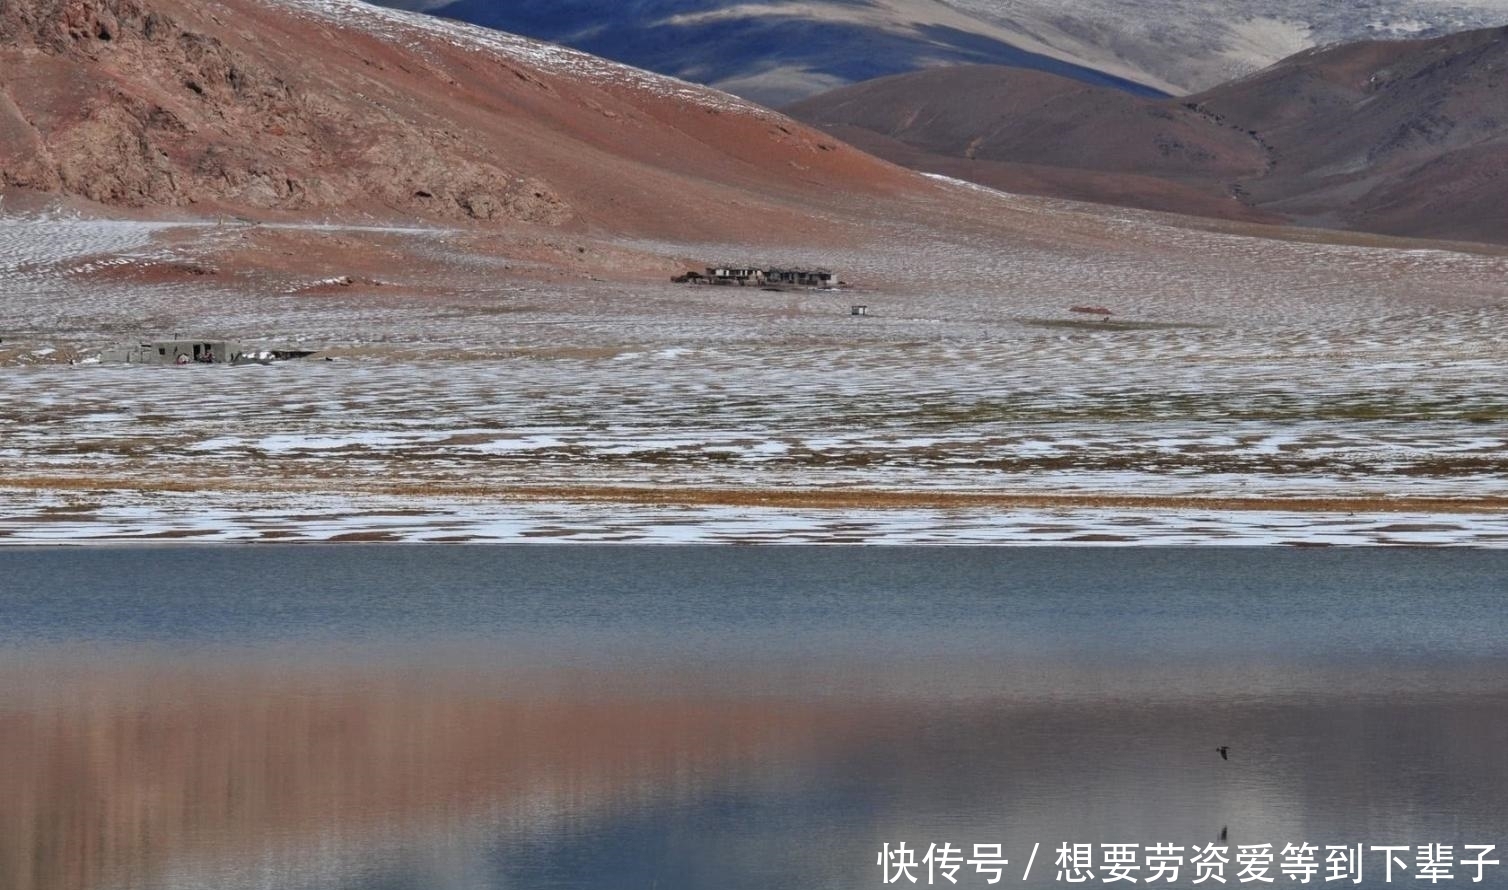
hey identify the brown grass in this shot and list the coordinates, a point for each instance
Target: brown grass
(797, 498)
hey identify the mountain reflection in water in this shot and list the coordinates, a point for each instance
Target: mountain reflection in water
(774, 739)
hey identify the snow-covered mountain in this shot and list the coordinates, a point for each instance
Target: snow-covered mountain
(777, 51)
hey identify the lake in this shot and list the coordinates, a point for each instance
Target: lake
(470, 717)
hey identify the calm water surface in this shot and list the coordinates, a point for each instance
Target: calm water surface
(393, 718)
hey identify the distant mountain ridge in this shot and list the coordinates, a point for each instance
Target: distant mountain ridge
(1397, 137)
(780, 51)
(776, 52)
(1196, 45)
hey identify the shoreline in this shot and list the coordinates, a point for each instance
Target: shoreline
(184, 512)
(799, 498)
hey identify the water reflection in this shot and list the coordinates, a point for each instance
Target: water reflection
(732, 752)
(122, 778)
(181, 774)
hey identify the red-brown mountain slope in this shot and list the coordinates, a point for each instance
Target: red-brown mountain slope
(1399, 137)
(336, 108)
(1038, 133)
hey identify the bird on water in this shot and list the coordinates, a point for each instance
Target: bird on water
(1224, 752)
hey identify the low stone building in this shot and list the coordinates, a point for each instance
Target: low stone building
(740, 275)
(801, 277)
(760, 277)
(196, 352)
(175, 352)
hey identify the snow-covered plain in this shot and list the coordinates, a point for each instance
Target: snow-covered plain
(1235, 369)
(105, 518)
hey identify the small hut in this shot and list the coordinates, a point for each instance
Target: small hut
(175, 352)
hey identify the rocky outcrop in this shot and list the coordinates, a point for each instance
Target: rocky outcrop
(341, 110)
(122, 103)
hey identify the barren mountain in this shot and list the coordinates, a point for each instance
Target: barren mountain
(780, 51)
(1399, 137)
(1034, 133)
(1405, 137)
(315, 107)
(1199, 44)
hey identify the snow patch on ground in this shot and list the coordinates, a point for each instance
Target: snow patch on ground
(288, 518)
(1280, 369)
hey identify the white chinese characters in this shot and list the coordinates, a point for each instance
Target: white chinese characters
(1211, 864)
